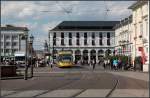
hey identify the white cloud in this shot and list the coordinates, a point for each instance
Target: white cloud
(14, 8)
(29, 13)
(49, 26)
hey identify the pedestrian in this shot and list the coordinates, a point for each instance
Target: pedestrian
(111, 63)
(90, 63)
(108, 63)
(50, 62)
(115, 64)
(119, 64)
(105, 63)
(37, 63)
(93, 63)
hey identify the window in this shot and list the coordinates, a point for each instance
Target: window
(78, 35)
(7, 37)
(146, 28)
(62, 42)
(100, 35)
(141, 29)
(14, 44)
(1, 43)
(108, 35)
(54, 42)
(1, 36)
(1, 50)
(14, 50)
(62, 35)
(14, 37)
(85, 35)
(93, 35)
(7, 50)
(85, 41)
(100, 42)
(70, 35)
(78, 42)
(146, 49)
(70, 41)
(54, 36)
(108, 41)
(93, 42)
(7, 43)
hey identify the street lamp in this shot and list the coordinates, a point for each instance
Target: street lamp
(54, 44)
(25, 36)
(31, 49)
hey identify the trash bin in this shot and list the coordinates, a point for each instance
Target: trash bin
(8, 71)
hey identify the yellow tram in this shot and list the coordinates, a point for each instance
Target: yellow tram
(64, 59)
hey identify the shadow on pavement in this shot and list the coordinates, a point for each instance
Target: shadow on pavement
(72, 67)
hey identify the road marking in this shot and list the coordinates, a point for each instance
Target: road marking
(29, 93)
(61, 93)
(3, 93)
(94, 93)
(130, 93)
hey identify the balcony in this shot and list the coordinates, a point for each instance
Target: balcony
(144, 40)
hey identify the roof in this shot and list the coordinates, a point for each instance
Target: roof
(124, 22)
(85, 25)
(10, 27)
(137, 4)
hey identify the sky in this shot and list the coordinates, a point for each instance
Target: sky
(41, 16)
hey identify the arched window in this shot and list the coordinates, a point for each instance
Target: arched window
(93, 52)
(85, 52)
(77, 52)
(100, 52)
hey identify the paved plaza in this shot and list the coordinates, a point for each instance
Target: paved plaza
(78, 82)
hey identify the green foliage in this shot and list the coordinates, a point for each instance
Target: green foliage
(138, 60)
(123, 58)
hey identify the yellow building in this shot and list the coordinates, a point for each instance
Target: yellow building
(140, 12)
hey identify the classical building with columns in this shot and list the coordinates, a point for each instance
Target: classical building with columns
(86, 39)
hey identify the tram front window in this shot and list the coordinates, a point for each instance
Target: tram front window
(65, 58)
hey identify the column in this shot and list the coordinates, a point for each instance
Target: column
(96, 55)
(73, 52)
(11, 44)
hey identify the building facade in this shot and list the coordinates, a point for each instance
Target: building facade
(11, 40)
(86, 39)
(123, 37)
(140, 11)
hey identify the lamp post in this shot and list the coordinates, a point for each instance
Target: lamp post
(0, 50)
(56, 39)
(53, 49)
(31, 49)
(26, 66)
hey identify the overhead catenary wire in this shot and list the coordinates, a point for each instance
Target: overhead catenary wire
(106, 10)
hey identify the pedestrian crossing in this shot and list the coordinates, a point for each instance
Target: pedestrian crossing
(77, 93)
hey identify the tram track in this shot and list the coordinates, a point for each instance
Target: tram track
(114, 87)
(63, 85)
(81, 76)
(108, 94)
